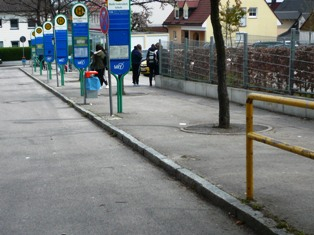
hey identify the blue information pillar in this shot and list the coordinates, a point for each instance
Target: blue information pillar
(80, 39)
(119, 42)
(33, 47)
(61, 43)
(39, 41)
(48, 45)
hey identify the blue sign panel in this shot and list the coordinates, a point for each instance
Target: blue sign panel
(61, 39)
(80, 36)
(33, 44)
(39, 41)
(119, 36)
(33, 39)
(48, 42)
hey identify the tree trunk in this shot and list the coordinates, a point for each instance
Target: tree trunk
(223, 98)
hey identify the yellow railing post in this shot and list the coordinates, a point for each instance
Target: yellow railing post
(249, 151)
(251, 135)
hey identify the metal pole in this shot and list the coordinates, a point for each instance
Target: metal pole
(82, 83)
(171, 59)
(249, 152)
(291, 61)
(23, 50)
(245, 60)
(85, 91)
(160, 56)
(109, 74)
(185, 58)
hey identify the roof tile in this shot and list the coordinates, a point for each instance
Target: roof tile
(197, 16)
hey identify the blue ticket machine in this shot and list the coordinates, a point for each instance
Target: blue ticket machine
(48, 45)
(119, 42)
(61, 43)
(33, 49)
(39, 41)
(80, 40)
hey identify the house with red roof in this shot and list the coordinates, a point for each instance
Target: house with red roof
(191, 19)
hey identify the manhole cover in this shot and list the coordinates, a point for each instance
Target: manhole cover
(212, 129)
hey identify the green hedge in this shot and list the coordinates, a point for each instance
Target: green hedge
(14, 53)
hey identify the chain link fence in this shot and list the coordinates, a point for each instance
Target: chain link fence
(252, 62)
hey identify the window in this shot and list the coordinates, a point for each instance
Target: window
(243, 19)
(239, 37)
(0, 23)
(252, 12)
(174, 35)
(1, 43)
(186, 34)
(31, 23)
(176, 13)
(15, 43)
(14, 23)
(185, 12)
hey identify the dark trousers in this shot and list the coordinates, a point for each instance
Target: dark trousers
(152, 68)
(136, 73)
(100, 75)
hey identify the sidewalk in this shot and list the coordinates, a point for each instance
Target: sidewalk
(212, 163)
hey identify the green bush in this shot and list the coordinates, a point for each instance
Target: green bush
(14, 53)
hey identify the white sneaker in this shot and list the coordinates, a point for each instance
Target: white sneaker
(107, 86)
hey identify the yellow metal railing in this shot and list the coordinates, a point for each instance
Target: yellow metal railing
(251, 135)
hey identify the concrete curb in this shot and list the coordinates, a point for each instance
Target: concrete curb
(254, 219)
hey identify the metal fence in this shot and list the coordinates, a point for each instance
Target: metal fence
(252, 63)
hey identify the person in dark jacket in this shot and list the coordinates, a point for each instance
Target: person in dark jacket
(136, 62)
(151, 59)
(98, 64)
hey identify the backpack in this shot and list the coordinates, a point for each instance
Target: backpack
(151, 57)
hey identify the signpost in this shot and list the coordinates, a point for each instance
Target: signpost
(104, 26)
(22, 40)
(80, 40)
(48, 45)
(119, 42)
(33, 50)
(39, 46)
(61, 43)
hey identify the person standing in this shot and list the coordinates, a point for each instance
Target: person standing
(151, 59)
(98, 64)
(136, 62)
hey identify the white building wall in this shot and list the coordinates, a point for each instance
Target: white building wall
(306, 37)
(147, 39)
(7, 35)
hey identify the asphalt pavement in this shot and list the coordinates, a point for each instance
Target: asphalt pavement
(62, 174)
(167, 127)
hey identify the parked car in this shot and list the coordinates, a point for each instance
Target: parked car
(143, 67)
(288, 43)
(273, 44)
(268, 44)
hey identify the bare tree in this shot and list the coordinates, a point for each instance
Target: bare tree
(41, 10)
(223, 98)
(140, 21)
